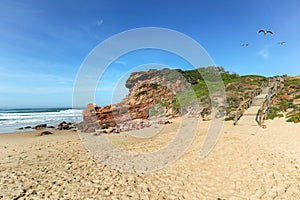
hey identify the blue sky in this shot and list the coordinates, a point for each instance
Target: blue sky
(43, 43)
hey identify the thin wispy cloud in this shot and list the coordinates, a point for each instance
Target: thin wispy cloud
(39, 11)
(30, 76)
(120, 62)
(100, 22)
(264, 53)
(15, 89)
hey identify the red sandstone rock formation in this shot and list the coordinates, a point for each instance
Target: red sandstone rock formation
(148, 91)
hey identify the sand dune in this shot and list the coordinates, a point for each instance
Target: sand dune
(241, 166)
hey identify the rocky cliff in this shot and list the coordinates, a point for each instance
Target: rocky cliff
(151, 94)
(167, 93)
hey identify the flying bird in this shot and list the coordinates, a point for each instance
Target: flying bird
(245, 45)
(265, 32)
(281, 43)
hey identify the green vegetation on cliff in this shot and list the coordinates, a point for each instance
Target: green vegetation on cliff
(288, 101)
(208, 80)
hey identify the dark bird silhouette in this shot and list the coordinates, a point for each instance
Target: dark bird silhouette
(245, 44)
(281, 43)
(265, 32)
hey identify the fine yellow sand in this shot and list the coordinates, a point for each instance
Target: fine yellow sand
(241, 166)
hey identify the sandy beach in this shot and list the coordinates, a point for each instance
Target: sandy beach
(265, 165)
(149, 100)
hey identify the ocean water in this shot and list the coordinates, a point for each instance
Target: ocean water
(12, 119)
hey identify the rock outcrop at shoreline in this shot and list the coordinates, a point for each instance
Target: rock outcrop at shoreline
(151, 94)
(61, 126)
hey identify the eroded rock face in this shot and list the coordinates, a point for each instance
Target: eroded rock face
(150, 94)
(172, 79)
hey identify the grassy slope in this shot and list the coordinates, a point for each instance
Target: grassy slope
(238, 87)
(287, 101)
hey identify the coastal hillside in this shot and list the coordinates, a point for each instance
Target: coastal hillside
(169, 93)
(287, 102)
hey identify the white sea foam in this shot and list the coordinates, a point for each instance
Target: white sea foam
(11, 120)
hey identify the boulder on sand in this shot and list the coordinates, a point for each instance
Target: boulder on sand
(66, 126)
(40, 126)
(46, 133)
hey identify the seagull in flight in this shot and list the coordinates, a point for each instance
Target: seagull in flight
(245, 44)
(281, 43)
(265, 32)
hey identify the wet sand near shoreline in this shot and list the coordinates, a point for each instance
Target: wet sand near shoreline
(241, 166)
